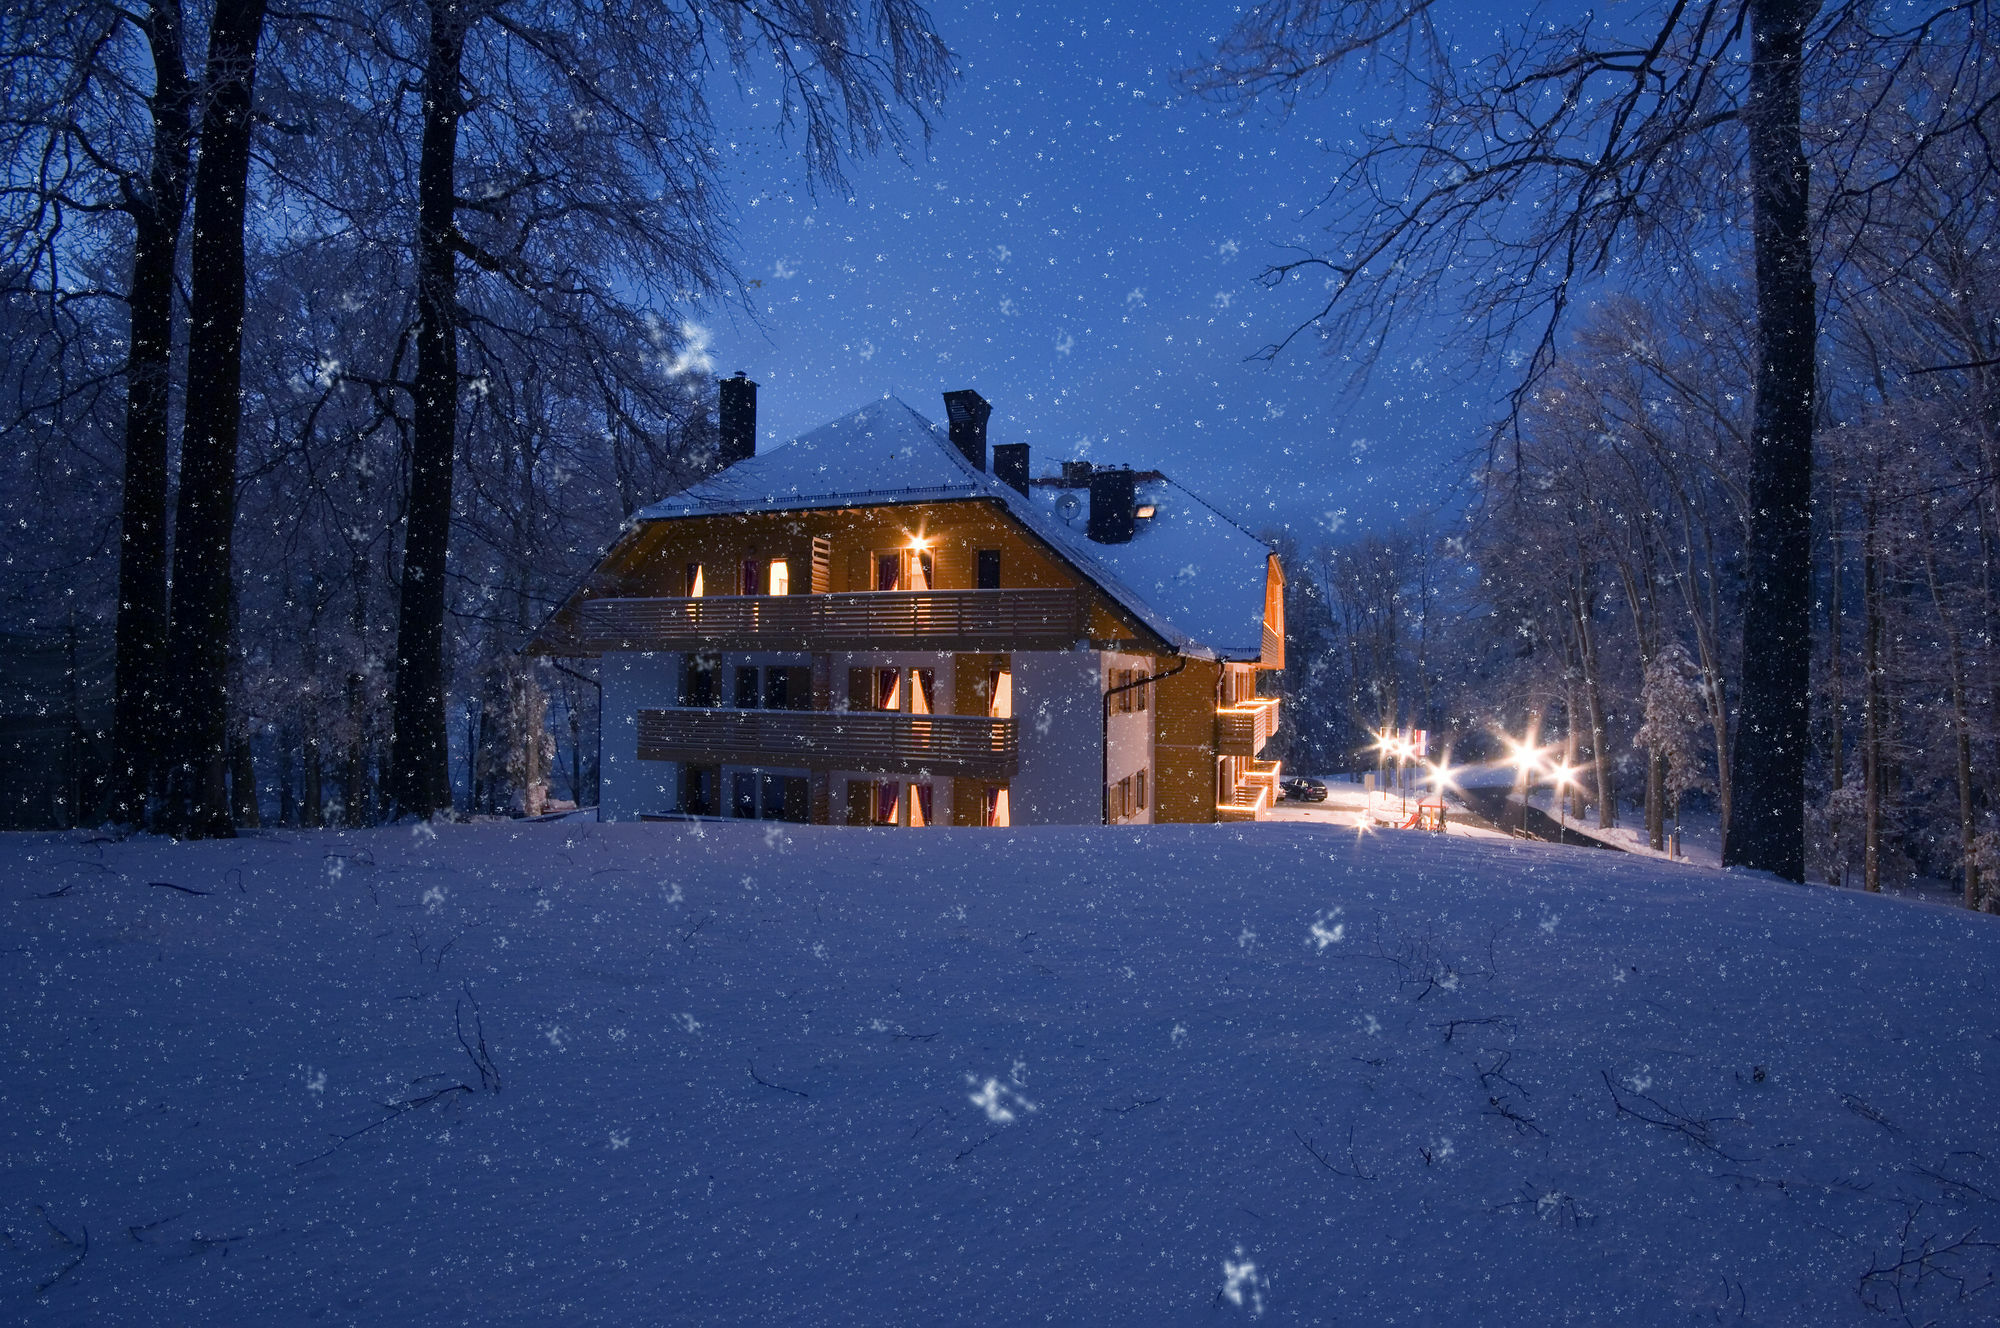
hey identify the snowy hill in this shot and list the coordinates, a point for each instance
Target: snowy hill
(791, 1075)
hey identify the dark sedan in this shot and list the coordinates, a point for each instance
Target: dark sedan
(1304, 790)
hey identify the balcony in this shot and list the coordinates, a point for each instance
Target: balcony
(1017, 619)
(1257, 790)
(874, 742)
(1243, 729)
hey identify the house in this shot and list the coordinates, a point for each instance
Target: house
(868, 626)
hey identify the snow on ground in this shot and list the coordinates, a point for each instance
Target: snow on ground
(753, 1073)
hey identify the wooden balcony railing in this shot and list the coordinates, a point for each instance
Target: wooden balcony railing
(1016, 619)
(1256, 792)
(1243, 729)
(871, 741)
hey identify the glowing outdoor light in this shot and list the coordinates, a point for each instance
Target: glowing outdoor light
(1564, 775)
(1526, 758)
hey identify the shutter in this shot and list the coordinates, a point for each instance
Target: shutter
(822, 564)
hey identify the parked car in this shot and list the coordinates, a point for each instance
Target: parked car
(1303, 790)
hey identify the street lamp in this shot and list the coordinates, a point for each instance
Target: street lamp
(1525, 759)
(1564, 775)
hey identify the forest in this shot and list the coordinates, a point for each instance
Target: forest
(340, 343)
(354, 328)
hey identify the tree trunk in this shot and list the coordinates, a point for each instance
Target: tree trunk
(1768, 760)
(312, 799)
(142, 526)
(243, 783)
(1871, 705)
(420, 750)
(1961, 719)
(198, 618)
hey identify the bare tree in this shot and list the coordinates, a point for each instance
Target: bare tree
(198, 620)
(568, 208)
(1635, 129)
(83, 80)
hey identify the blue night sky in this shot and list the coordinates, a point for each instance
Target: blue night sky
(1081, 245)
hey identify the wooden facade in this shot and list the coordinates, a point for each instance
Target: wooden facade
(963, 579)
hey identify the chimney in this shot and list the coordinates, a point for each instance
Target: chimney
(967, 411)
(1075, 474)
(1010, 464)
(739, 420)
(1112, 494)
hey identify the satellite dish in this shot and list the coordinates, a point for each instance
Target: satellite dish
(1068, 506)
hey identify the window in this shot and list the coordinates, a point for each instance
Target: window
(749, 580)
(923, 692)
(997, 810)
(746, 687)
(920, 804)
(791, 689)
(782, 798)
(905, 569)
(1139, 787)
(989, 569)
(874, 689)
(999, 694)
(743, 795)
(1123, 678)
(1139, 699)
(780, 577)
(700, 790)
(694, 585)
(701, 680)
(1123, 806)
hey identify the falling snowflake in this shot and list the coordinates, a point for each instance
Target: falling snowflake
(1321, 935)
(1241, 1286)
(994, 1098)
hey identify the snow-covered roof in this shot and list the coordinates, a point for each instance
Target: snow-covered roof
(1189, 573)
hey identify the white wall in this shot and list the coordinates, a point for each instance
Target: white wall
(1131, 735)
(1059, 707)
(633, 682)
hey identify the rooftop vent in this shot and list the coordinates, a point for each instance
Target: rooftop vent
(739, 420)
(968, 411)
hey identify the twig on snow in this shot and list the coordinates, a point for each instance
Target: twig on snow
(1697, 1130)
(475, 1047)
(1353, 1169)
(780, 1087)
(184, 889)
(1866, 1112)
(82, 1248)
(394, 1109)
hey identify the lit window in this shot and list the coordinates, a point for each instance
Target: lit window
(695, 590)
(781, 577)
(1143, 510)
